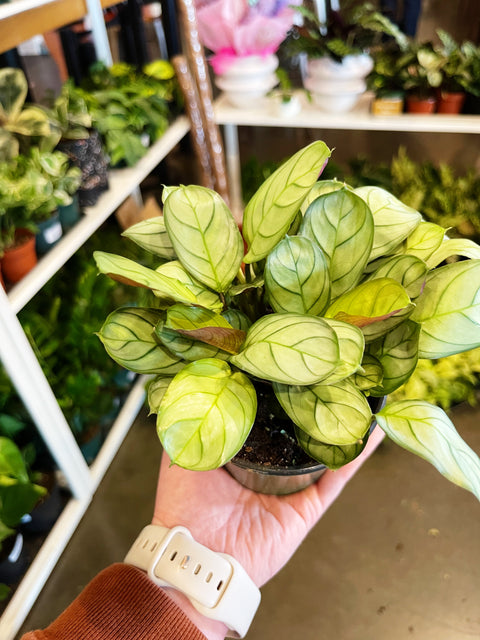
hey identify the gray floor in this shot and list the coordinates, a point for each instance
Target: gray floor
(396, 557)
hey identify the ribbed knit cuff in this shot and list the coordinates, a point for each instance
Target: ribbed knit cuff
(121, 603)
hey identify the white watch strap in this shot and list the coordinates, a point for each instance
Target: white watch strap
(216, 584)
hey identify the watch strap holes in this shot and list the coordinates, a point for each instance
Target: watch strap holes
(197, 569)
(209, 576)
(219, 585)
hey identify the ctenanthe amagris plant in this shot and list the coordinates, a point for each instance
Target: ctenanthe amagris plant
(328, 293)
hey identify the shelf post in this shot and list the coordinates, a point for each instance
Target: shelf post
(99, 32)
(31, 384)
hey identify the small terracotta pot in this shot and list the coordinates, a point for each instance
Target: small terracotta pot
(20, 259)
(450, 102)
(415, 104)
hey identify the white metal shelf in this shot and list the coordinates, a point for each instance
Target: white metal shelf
(121, 184)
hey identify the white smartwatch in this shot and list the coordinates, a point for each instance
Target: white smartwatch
(215, 583)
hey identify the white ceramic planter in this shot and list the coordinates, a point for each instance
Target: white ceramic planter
(248, 79)
(337, 86)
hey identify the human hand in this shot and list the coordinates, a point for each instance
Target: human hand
(260, 531)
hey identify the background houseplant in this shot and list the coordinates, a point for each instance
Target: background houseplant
(339, 308)
(336, 51)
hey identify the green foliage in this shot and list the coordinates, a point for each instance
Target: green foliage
(130, 109)
(353, 29)
(387, 302)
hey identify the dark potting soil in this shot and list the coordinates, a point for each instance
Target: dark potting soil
(272, 440)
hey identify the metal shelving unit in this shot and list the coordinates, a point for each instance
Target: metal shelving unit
(31, 17)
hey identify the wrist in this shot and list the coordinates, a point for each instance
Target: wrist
(211, 587)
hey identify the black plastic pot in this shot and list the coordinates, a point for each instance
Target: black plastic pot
(88, 155)
(14, 559)
(49, 233)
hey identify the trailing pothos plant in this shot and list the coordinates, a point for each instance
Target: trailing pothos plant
(328, 293)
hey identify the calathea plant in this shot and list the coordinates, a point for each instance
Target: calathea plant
(337, 295)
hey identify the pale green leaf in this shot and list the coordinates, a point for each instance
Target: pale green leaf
(297, 279)
(397, 352)
(156, 388)
(204, 235)
(334, 413)
(237, 319)
(290, 348)
(320, 188)
(454, 247)
(376, 307)
(332, 456)
(351, 344)
(128, 337)
(424, 240)
(152, 236)
(32, 121)
(272, 209)
(203, 296)
(370, 375)
(426, 430)
(449, 310)
(206, 415)
(407, 270)
(342, 225)
(130, 272)
(393, 220)
(13, 92)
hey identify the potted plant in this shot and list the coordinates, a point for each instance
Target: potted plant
(385, 80)
(18, 496)
(470, 81)
(421, 71)
(19, 123)
(64, 181)
(244, 38)
(336, 49)
(82, 144)
(455, 73)
(20, 187)
(337, 294)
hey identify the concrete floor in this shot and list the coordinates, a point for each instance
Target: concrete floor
(396, 557)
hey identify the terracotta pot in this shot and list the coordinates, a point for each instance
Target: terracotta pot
(415, 104)
(20, 259)
(450, 102)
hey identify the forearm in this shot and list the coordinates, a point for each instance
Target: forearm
(121, 603)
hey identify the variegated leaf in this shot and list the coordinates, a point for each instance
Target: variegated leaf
(156, 389)
(334, 413)
(152, 236)
(130, 272)
(271, 210)
(351, 344)
(342, 225)
(424, 240)
(454, 247)
(449, 310)
(237, 319)
(289, 348)
(397, 352)
(297, 279)
(408, 270)
(376, 307)
(426, 430)
(128, 337)
(194, 333)
(204, 235)
(320, 188)
(203, 296)
(206, 415)
(370, 375)
(393, 220)
(332, 456)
